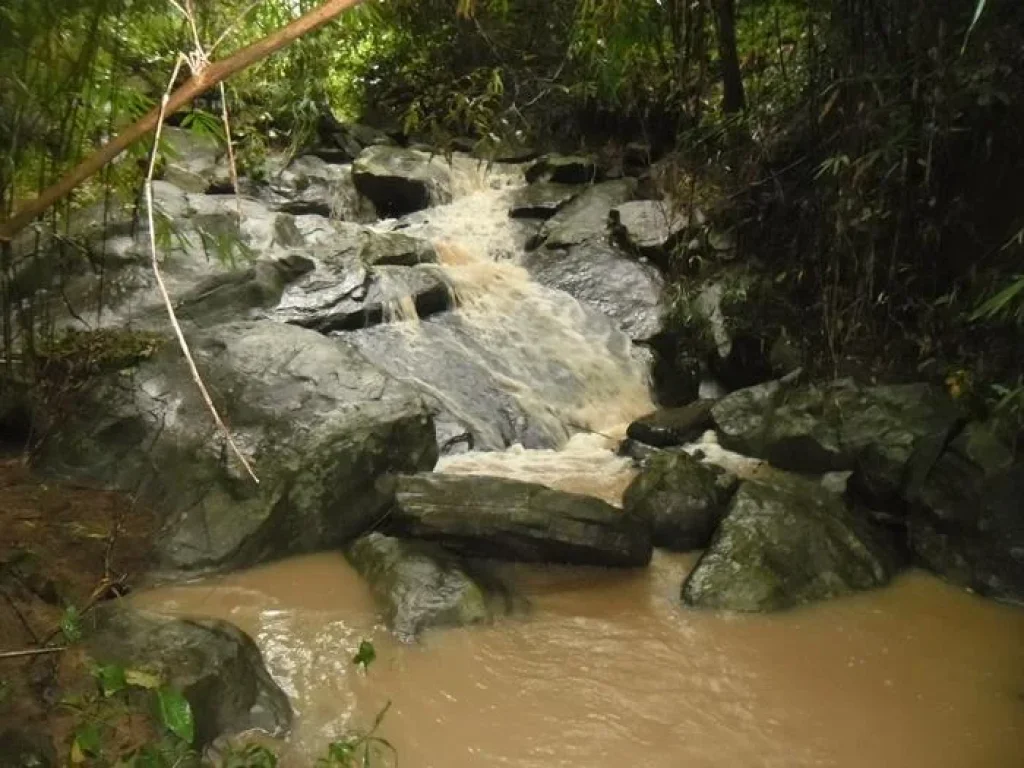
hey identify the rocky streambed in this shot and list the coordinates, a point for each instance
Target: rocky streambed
(438, 367)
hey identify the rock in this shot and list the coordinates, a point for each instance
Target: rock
(342, 142)
(395, 248)
(650, 228)
(420, 585)
(310, 184)
(316, 419)
(672, 426)
(966, 519)
(542, 200)
(387, 293)
(26, 749)
(585, 219)
(216, 666)
(831, 427)
(194, 162)
(563, 169)
(511, 520)
(399, 181)
(682, 500)
(602, 277)
(783, 543)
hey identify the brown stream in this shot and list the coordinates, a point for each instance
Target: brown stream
(607, 670)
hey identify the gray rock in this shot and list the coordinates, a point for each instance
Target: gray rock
(650, 228)
(194, 162)
(783, 543)
(310, 185)
(541, 201)
(672, 426)
(395, 248)
(216, 666)
(682, 500)
(400, 181)
(563, 169)
(585, 219)
(317, 420)
(966, 519)
(831, 427)
(510, 520)
(420, 585)
(602, 277)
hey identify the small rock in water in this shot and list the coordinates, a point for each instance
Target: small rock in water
(672, 426)
(420, 585)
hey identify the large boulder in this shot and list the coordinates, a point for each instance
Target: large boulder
(602, 277)
(309, 185)
(784, 542)
(314, 417)
(833, 426)
(511, 520)
(966, 519)
(400, 181)
(216, 666)
(681, 498)
(420, 585)
(194, 162)
(585, 219)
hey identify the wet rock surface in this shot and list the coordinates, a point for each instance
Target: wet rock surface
(585, 219)
(511, 520)
(400, 181)
(682, 499)
(563, 169)
(216, 667)
(420, 585)
(783, 543)
(542, 201)
(318, 421)
(672, 426)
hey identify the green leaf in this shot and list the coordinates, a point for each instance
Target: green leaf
(87, 743)
(176, 714)
(365, 655)
(111, 678)
(71, 624)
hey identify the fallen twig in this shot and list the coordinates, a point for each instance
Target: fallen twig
(32, 652)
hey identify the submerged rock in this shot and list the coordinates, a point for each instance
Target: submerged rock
(602, 277)
(785, 542)
(966, 519)
(216, 666)
(317, 420)
(400, 181)
(672, 426)
(681, 498)
(511, 520)
(420, 585)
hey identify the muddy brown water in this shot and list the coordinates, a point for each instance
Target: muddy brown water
(606, 669)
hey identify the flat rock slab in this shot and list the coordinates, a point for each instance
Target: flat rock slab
(511, 520)
(785, 542)
(682, 499)
(215, 665)
(585, 219)
(420, 585)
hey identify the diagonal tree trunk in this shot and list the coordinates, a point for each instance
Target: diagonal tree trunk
(199, 83)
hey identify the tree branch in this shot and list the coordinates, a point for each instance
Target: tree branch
(197, 84)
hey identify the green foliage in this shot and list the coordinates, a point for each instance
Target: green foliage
(176, 713)
(361, 749)
(249, 756)
(71, 624)
(366, 654)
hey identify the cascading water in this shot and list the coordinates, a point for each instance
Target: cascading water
(604, 669)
